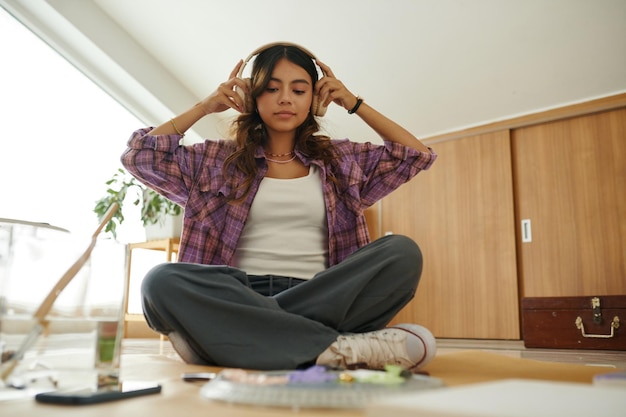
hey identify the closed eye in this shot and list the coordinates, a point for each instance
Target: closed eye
(274, 90)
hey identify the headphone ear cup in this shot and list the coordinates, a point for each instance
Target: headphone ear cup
(245, 97)
(316, 107)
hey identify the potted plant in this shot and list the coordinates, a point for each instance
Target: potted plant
(155, 209)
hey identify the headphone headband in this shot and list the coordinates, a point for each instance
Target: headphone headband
(268, 46)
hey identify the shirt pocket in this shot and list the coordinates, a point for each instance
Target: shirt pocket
(208, 198)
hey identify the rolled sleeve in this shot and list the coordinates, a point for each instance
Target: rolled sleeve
(141, 139)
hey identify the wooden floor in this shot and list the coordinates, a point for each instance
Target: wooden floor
(608, 359)
(515, 348)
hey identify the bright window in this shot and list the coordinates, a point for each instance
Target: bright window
(62, 136)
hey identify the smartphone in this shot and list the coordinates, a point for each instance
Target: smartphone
(126, 389)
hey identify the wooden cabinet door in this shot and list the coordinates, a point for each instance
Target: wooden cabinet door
(460, 212)
(570, 180)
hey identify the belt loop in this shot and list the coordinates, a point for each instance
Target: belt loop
(271, 284)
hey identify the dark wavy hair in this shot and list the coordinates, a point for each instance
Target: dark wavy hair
(248, 129)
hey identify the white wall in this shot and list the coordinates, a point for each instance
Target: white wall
(433, 65)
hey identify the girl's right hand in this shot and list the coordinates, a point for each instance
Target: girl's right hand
(225, 96)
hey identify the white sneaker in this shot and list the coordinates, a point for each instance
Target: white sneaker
(408, 345)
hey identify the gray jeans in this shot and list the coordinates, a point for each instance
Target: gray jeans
(229, 324)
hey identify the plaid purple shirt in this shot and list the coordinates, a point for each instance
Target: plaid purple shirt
(192, 177)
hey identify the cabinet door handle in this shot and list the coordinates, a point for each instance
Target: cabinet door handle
(527, 235)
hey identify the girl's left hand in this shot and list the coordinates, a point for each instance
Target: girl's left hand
(333, 90)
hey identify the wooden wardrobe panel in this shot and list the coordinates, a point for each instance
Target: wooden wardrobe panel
(372, 218)
(570, 181)
(460, 212)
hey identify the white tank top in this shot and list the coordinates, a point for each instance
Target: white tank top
(286, 232)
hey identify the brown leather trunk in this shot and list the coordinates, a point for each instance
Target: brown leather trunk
(594, 322)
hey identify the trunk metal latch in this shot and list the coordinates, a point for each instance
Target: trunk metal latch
(597, 313)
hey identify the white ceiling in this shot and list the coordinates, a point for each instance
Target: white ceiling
(433, 65)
